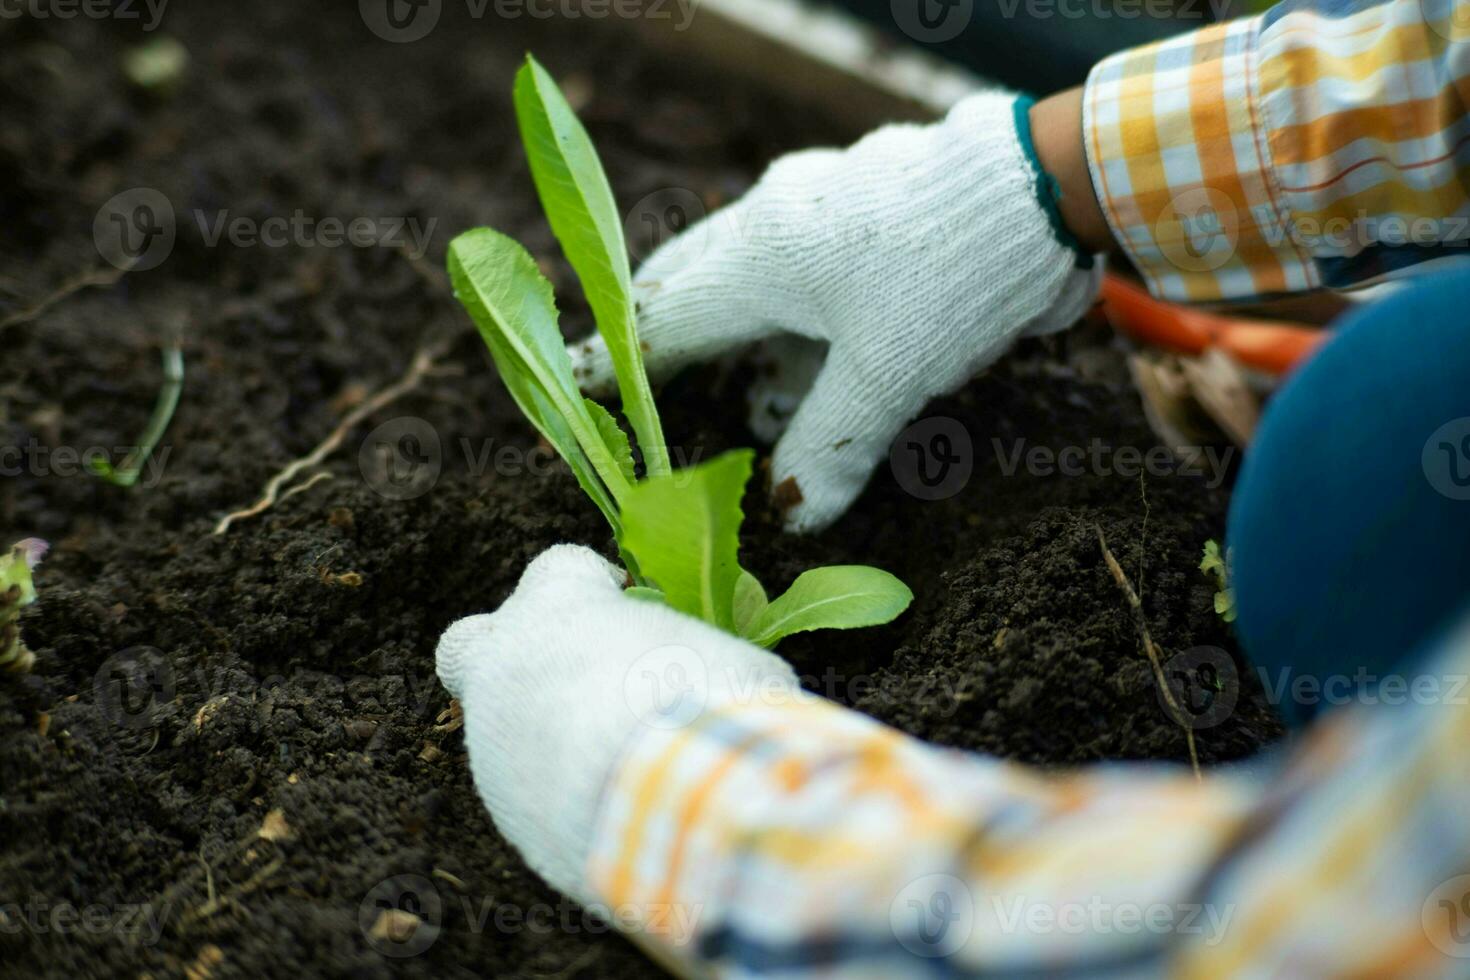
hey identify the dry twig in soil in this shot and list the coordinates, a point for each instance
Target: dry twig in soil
(1150, 648)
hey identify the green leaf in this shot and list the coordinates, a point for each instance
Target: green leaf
(511, 302)
(1225, 605)
(835, 597)
(1212, 561)
(749, 602)
(580, 206)
(613, 437)
(15, 572)
(15, 577)
(644, 593)
(684, 531)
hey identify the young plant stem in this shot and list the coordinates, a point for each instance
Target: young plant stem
(638, 405)
(126, 475)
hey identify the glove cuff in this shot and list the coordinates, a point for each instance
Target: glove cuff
(1048, 190)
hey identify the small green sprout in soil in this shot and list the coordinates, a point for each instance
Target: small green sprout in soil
(126, 473)
(678, 532)
(17, 591)
(1217, 566)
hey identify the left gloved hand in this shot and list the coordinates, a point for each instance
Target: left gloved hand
(556, 681)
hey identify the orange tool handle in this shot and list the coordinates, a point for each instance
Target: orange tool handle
(1266, 345)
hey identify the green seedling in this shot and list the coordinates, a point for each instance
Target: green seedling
(678, 531)
(17, 590)
(1217, 566)
(126, 473)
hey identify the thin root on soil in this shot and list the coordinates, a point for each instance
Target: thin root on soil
(92, 277)
(423, 362)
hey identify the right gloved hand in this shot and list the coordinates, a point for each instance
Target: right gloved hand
(918, 255)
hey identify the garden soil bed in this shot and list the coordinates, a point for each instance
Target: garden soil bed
(291, 660)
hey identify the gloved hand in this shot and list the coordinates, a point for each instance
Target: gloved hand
(556, 681)
(918, 255)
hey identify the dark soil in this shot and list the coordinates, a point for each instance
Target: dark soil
(290, 662)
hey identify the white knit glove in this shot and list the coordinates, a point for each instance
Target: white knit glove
(918, 255)
(556, 681)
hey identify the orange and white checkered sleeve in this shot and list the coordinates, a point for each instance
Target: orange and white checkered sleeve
(795, 838)
(1324, 143)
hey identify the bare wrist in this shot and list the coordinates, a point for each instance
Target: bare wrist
(1056, 128)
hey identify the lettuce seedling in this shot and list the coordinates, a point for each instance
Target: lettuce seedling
(678, 532)
(17, 590)
(1217, 566)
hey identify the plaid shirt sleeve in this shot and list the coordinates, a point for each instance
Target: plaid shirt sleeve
(1323, 143)
(799, 839)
